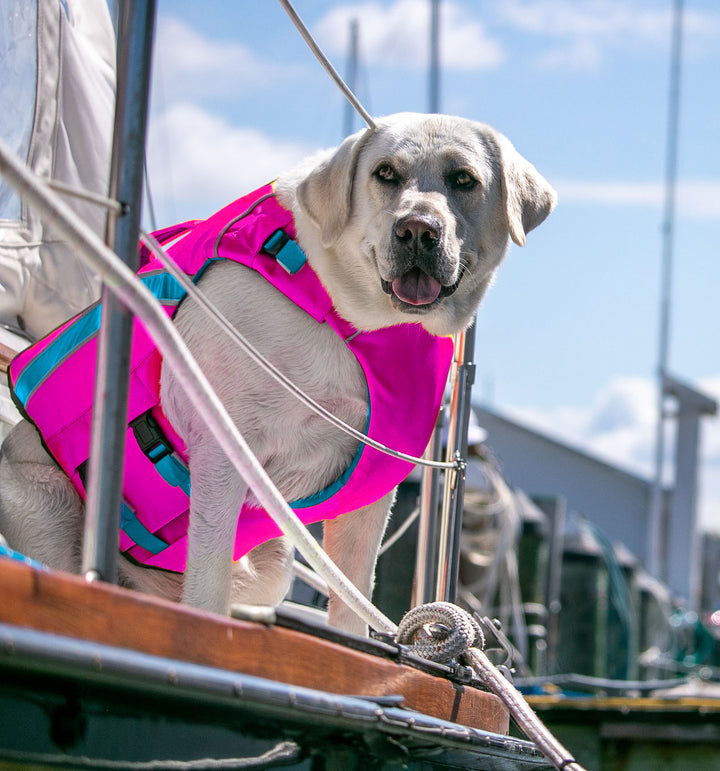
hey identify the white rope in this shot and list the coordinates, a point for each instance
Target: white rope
(314, 581)
(439, 631)
(135, 296)
(445, 633)
(310, 577)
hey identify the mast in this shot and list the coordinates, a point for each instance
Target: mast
(657, 550)
(434, 80)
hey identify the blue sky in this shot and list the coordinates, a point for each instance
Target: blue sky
(567, 338)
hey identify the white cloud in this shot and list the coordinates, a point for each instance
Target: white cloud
(696, 199)
(619, 426)
(398, 35)
(610, 193)
(199, 162)
(584, 32)
(699, 199)
(590, 19)
(581, 54)
(190, 66)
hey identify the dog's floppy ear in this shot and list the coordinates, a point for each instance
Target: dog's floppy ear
(527, 195)
(325, 195)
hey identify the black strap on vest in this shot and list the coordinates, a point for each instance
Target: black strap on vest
(153, 442)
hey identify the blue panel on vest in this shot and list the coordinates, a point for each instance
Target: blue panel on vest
(285, 251)
(275, 242)
(291, 257)
(135, 530)
(174, 472)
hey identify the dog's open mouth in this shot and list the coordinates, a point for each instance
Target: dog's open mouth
(418, 288)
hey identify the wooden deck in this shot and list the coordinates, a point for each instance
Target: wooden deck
(66, 605)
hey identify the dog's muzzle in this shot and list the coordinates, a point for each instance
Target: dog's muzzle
(417, 245)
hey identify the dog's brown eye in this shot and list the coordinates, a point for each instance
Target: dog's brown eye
(386, 173)
(462, 180)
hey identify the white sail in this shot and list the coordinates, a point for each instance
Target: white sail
(57, 97)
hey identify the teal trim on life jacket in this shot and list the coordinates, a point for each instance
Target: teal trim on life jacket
(76, 335)
(163, 285)
(6, 551)
(133, 528)
(322, 495)
(174, 472)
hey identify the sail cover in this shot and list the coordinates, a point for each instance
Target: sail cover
(57, 100)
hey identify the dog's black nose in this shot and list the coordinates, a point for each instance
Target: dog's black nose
(419, 232)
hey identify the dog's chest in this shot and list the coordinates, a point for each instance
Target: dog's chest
(299, 449)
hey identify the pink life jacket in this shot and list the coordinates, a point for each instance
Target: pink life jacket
(52, 383)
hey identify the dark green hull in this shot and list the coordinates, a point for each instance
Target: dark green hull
(74, 704)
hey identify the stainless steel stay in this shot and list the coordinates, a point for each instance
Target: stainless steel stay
(438, 547)
(454, 482)
(426, 548)
(107, 446)
(443, 549)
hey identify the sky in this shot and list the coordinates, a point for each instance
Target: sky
(567, 339)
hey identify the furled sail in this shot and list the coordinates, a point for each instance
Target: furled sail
(57, 96)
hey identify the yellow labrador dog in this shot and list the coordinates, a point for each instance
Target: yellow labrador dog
(406, 223)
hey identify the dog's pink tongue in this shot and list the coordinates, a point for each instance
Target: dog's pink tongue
(416, 288)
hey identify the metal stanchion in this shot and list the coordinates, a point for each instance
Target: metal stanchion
(426, 559)
(107, 446)
(454, 483)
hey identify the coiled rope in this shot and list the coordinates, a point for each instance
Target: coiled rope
(439, 631)
(444, 633)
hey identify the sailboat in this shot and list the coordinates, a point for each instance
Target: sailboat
(96, 676)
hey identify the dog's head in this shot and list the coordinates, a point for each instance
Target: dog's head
(408, 223)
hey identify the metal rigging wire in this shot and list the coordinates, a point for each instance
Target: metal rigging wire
(320, 56)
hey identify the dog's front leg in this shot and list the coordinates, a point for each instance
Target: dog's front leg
(352, 542)
(216, 498)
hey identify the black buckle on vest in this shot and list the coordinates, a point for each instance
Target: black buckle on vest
(150, 437)
(153, 442)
